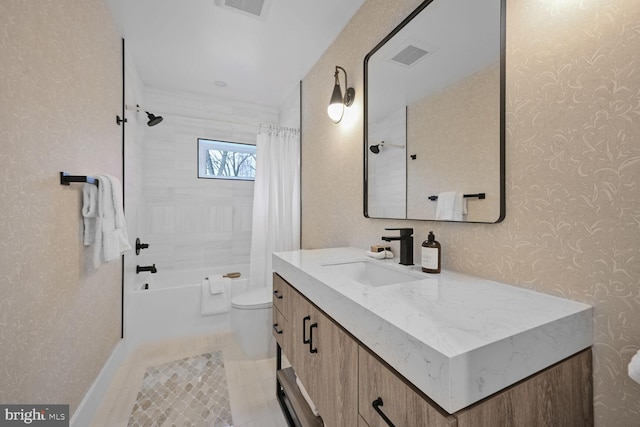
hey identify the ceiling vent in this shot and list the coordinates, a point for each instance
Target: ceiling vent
(409, 52)
(409, 55)
(254, 8)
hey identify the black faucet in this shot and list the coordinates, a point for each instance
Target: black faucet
(151, 268)
(406, 244)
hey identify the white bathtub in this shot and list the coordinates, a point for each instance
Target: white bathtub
(170, 307)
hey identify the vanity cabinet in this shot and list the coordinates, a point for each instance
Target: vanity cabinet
(323, 356)
(344, 379)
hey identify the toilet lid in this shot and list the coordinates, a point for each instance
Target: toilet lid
(254, 299)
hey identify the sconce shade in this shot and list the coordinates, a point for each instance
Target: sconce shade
(335, 110)
(336, 104)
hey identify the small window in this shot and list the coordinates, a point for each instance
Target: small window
(226, 160)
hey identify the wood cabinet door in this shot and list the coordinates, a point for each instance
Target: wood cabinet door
(324, 358)
(337, 381)
(395, 400)
(380, 385)
(304, 362)
(281, 297)
(281, 331)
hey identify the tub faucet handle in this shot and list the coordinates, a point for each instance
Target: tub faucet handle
(140, 246)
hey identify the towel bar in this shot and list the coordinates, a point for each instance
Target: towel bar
(66, 179)
(479, 196)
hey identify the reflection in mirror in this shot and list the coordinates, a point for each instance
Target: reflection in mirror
(434, 115)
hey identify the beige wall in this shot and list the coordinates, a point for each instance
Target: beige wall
(60, 91)
(455, 135)
(573, 170)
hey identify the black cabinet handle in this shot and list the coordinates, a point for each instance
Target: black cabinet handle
(376, 405)
(275, 328)
(277, 294)
(311, 349)
(304, 330)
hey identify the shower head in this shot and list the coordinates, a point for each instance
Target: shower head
(153, 119)
(375, 148)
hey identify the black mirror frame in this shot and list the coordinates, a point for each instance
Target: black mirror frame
(420, 8)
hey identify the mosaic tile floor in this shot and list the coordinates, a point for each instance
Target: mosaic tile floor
(185, 392)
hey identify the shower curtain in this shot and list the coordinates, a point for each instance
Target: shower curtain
(276, 200)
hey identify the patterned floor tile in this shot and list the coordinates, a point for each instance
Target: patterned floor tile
(186, 392)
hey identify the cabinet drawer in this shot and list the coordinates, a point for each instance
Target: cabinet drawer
(281, 330)
(281, 296)
(382, 388)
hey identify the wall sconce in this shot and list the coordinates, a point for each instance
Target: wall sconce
(337, 103)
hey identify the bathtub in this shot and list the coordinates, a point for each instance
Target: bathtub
(170, 307)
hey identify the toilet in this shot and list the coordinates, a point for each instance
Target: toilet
(251, 322)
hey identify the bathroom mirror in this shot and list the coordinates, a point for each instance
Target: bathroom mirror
(434, 115)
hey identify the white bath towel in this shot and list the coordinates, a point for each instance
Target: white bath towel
(217, 284)
(111, 239)
(214, 303)
(452, 206)
(634, 367)
(89, 213)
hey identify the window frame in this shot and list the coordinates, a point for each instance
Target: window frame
(203, 147)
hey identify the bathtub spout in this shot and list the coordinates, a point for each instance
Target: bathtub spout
(151, 268)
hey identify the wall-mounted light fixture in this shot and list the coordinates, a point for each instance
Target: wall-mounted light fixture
(338, 102)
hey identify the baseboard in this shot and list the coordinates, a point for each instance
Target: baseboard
(90, 403)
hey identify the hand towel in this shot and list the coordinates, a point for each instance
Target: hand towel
(217, 284)
(90, 213)
(111, 239)
(451, 206)
(634, 368)
(380, 255)
(214, 303)
(120, 225)
(460, 208)
(376, 255)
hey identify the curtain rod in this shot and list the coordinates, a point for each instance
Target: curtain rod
(258, 125)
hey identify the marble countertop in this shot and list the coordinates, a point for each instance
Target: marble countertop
(456, 337)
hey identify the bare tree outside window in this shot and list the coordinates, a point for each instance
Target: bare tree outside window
(226, 160)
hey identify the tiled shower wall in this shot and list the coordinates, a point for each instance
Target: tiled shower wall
(191, 222)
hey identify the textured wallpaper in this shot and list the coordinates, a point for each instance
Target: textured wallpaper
(60, 91)
(455, 135)
(572, 226)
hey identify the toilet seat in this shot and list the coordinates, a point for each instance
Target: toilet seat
(253, 300)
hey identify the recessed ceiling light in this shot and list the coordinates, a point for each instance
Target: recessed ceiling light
(220, 83)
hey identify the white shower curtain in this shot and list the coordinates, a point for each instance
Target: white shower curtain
(276, 200)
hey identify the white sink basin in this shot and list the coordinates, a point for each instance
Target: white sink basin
(369, 273)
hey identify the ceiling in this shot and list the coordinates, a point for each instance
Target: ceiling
(189, 45)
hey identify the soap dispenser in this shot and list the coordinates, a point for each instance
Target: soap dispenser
(431, 254)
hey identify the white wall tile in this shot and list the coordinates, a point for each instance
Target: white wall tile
(199, 222)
